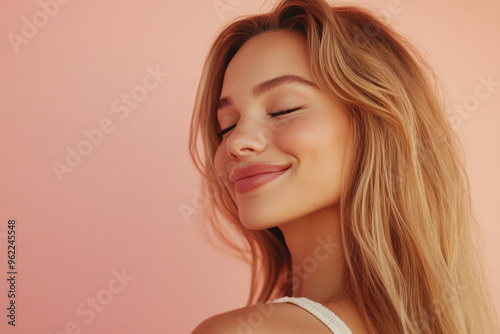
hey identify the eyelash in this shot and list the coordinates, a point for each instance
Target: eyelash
(274, 114)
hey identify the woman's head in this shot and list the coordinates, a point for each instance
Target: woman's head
(388, 156)
(361, 65)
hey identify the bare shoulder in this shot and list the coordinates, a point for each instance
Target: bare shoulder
(269, 318)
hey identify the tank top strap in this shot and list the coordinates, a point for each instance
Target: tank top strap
(330, 319)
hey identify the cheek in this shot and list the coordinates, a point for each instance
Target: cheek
(319, 144)
(218, 158)
(313, 136)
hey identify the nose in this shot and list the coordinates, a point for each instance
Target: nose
(248, 138)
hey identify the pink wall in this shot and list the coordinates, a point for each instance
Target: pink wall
(117, 212)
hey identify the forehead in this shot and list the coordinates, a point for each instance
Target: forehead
(266, 56)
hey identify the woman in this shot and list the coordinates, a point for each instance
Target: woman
(323, 129)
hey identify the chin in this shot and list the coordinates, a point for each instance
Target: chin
(257, 222)
(256, 225)
(262, 221)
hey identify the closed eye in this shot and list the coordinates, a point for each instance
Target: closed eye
(274, 114)
(283, 112)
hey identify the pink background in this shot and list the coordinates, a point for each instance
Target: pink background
(119, 208)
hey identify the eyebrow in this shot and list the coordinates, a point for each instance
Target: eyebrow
(267, 85)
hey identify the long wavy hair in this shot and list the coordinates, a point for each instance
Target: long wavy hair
(412, 264)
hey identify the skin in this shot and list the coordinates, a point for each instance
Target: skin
(303, 202)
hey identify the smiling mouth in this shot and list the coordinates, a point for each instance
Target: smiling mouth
(255, 181)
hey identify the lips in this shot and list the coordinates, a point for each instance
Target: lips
(251, 177)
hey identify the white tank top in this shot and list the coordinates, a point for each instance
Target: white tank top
(330, 319)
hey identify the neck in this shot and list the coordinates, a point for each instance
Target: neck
(315, 245)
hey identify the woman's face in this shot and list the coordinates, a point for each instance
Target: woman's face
(279, 167)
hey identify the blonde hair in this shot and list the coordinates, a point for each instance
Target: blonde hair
(406, 212)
